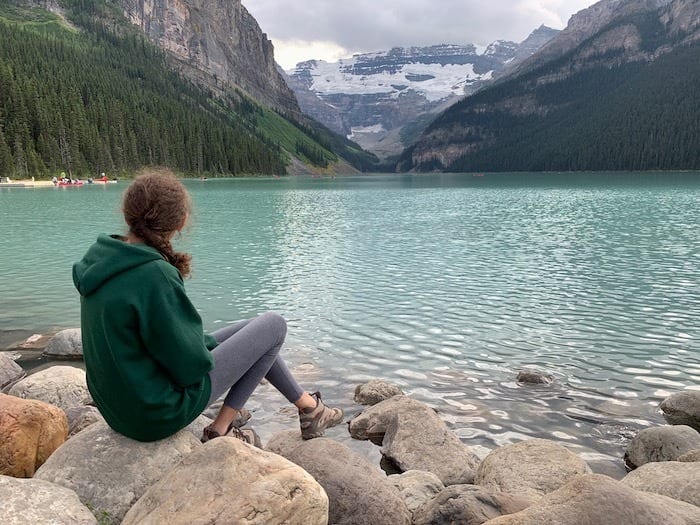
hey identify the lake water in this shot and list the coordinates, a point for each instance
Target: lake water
(446, 285)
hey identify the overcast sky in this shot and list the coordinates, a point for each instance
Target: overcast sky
(332, 29)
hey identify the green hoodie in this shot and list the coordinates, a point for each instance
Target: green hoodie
(146, 354)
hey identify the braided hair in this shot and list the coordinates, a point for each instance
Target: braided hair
(156, 206)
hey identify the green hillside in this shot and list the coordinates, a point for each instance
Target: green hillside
(637, 116)
(91, 95)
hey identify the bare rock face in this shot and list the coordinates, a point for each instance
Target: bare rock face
(32, 501)
(600, 500)
(61, 386)
(358, 492)
(30, 431)
(674, 479)
(468, 505)
(228, 481)
(665, 443)
(414, 437)
(531, 468)
(215, 41)
(109, 471)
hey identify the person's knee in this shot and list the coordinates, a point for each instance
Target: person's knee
(276, 322)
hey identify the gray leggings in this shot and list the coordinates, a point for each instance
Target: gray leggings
(247, 352)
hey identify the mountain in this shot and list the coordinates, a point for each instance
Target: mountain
(615, 90)
(382, 100)
(91, 86)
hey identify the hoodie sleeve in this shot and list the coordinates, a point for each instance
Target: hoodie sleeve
(172, 332)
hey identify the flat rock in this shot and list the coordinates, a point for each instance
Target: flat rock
(674, 479)
(666, 443)
(375, 391)
(414, 437)
(416, 487)
(599, 500)
(10, 372)
(61, 386)
(682, 408)
(33, 501)
(66, 344)
(30, 431)
(358, 492)
(228, 481)
(530, 468)
(468, 505)
(108, 471)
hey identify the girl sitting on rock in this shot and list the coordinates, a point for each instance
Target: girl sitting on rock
(150, 367)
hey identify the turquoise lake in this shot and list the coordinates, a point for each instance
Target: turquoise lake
(446, 285)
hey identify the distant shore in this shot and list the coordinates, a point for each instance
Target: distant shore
(26, 183)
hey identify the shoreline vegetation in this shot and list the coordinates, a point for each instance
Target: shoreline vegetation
(427, 474)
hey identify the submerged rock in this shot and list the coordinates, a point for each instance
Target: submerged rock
(531, 377)
(228, 481)
(530, 468)
(30, 431)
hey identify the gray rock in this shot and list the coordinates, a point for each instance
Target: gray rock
(66, 344)
(683, 408)
(690, 457)
(665, 443)
(61, 386)
(358, 492)
(10, 372)
(414, 437)
(81, 417)
(599, 500)
(197, 426)
(674, 479)
(108, 471)
(375, 391)
(227, 481)
(468, 505)
(530, 468)
(284, 442)
(33, 501)
(416, 487)
(531, 377)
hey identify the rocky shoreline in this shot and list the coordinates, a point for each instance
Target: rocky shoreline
(60, 463)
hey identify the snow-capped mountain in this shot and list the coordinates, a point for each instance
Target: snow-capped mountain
(382, 100)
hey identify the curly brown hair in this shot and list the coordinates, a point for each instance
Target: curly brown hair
(156, 205)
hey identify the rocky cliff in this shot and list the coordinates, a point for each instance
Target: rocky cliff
(216, 43)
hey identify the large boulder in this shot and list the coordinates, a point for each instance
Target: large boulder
(30, 431)
(108, 471)
(375, 391)
(416, 487)
(228, 481)
(414, 437)
(665, 443)
(61, 386)
(600, 500)
(683, 408)
(468, 505)
(674, 479)
(66, 344)
(530, 468)
(358, 492)
(33, 501)
(10, 372)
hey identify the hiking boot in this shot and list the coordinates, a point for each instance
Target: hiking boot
(315, 421)
(247, 435)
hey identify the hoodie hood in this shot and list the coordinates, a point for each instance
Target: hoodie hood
(108, 257)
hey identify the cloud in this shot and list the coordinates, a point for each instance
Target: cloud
(372, 25)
